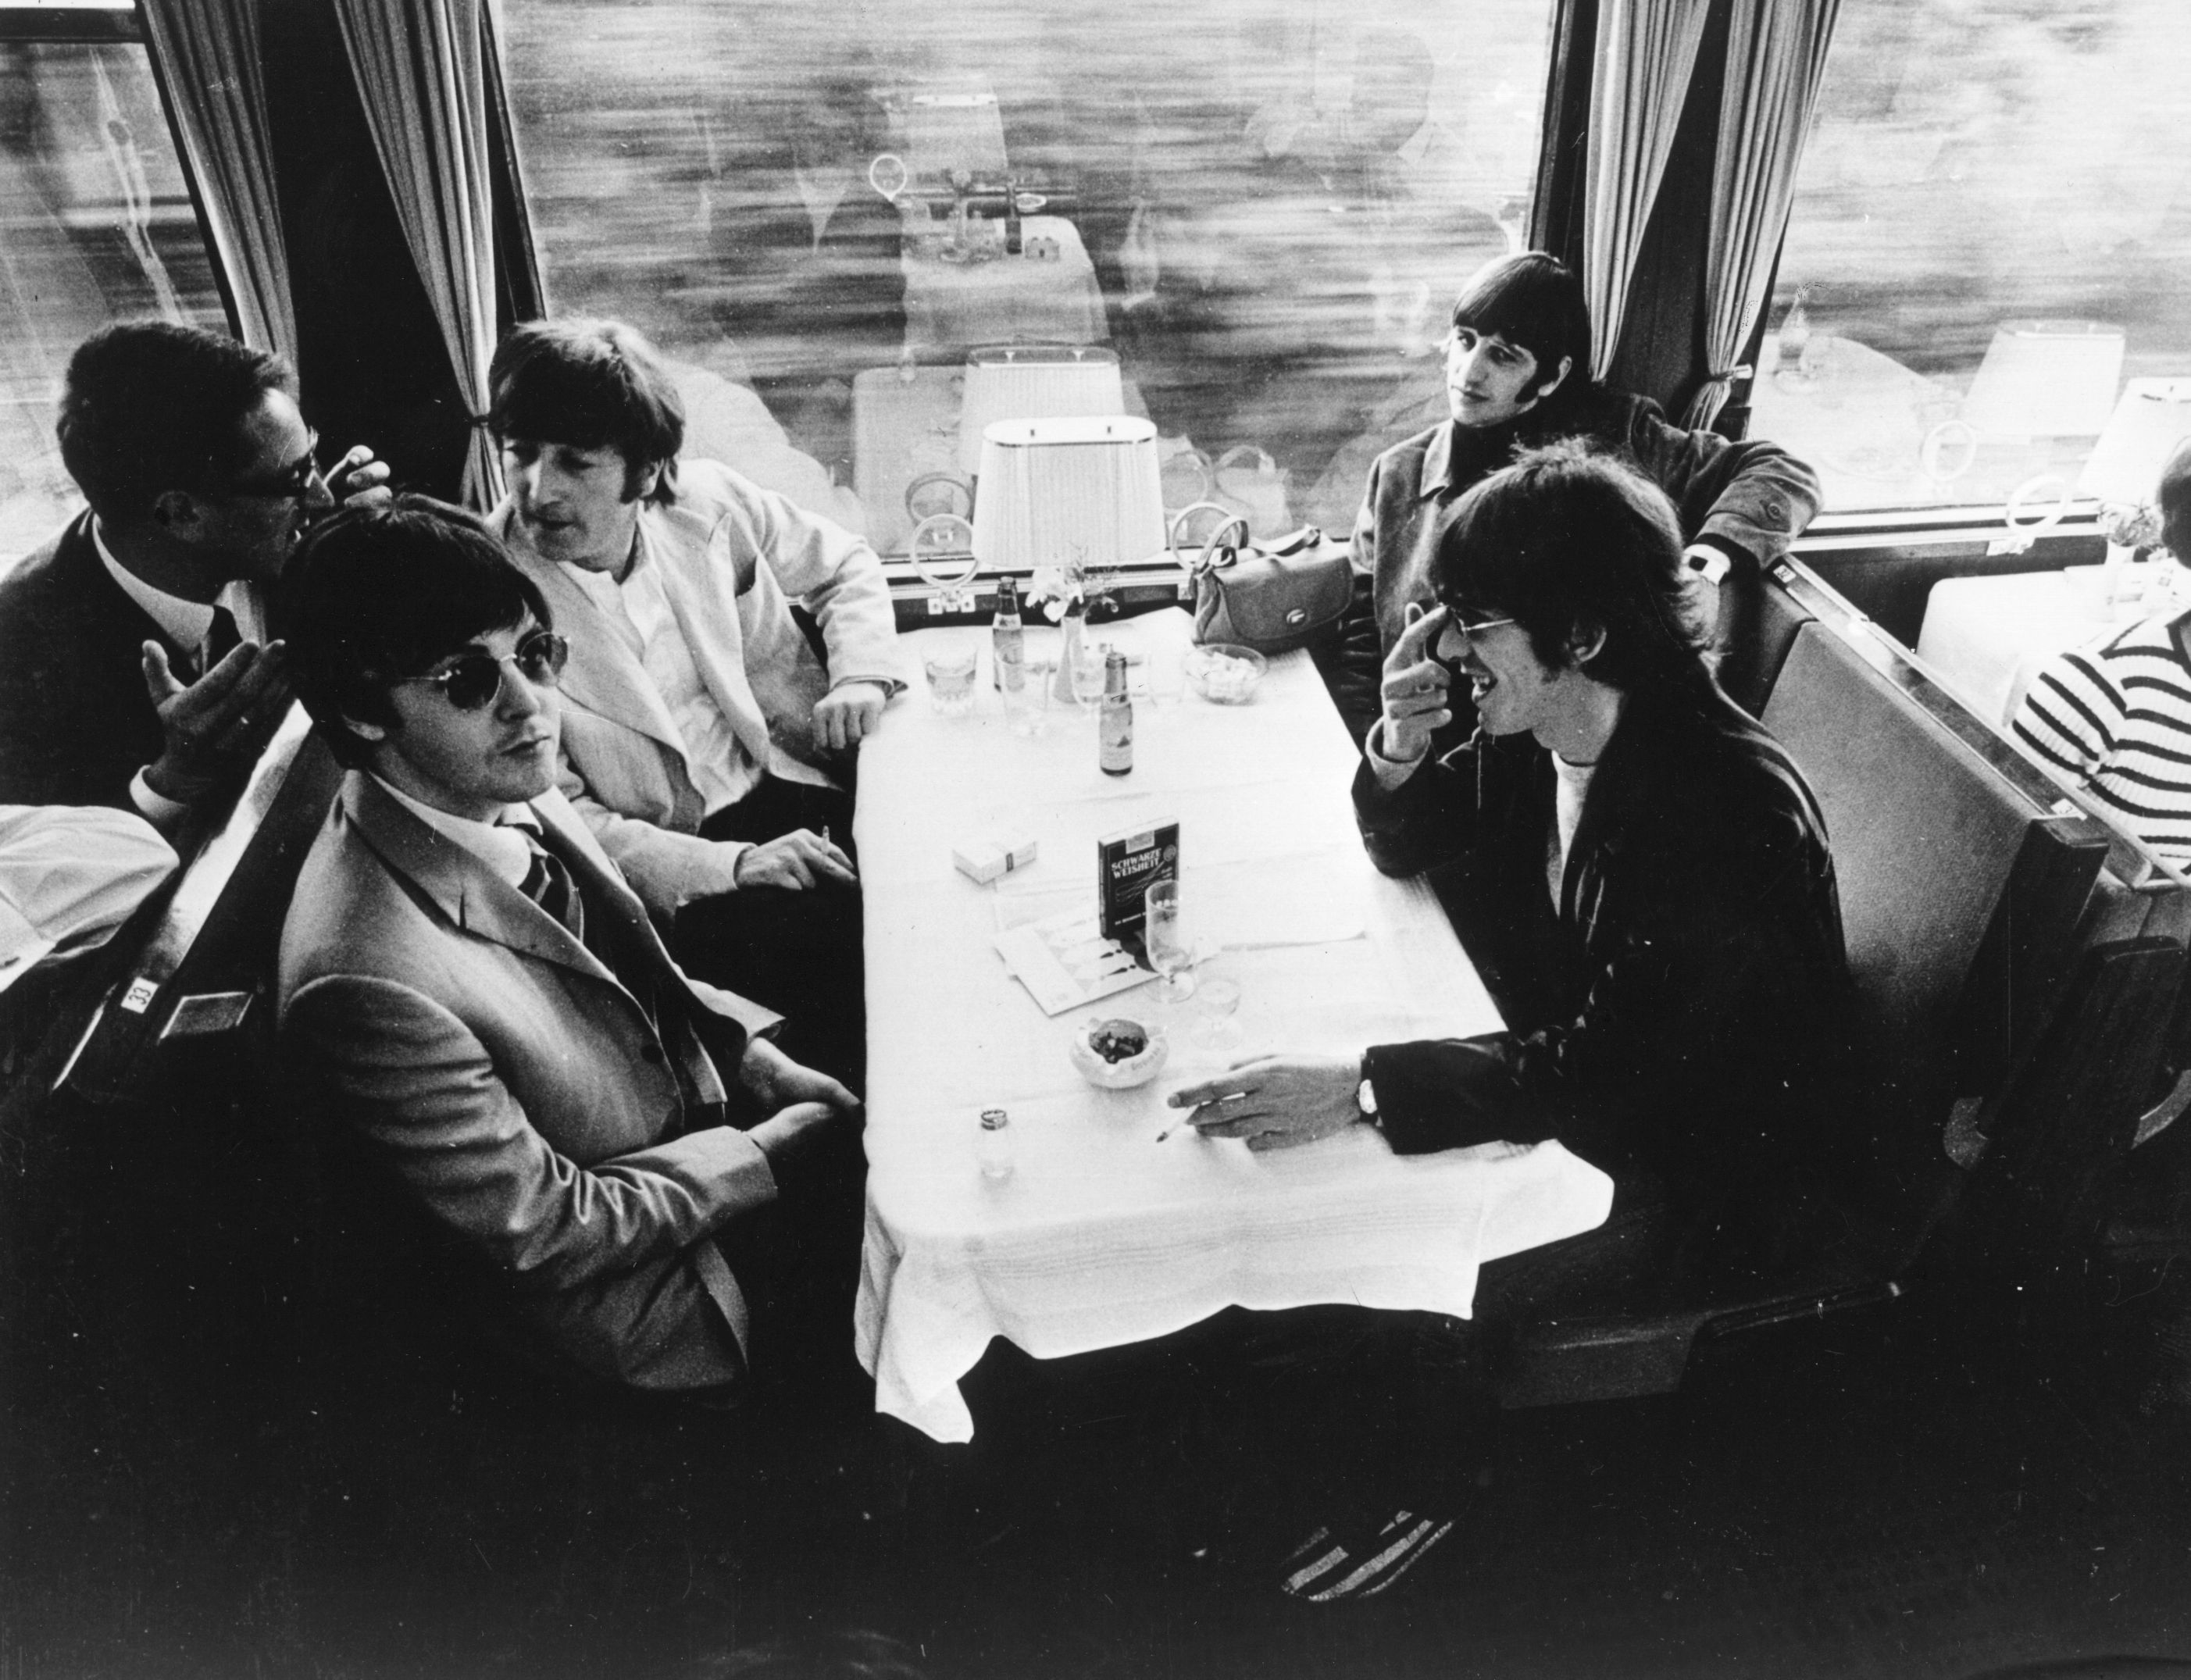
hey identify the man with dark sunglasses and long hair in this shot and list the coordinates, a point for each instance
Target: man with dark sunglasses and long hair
(604, 1148)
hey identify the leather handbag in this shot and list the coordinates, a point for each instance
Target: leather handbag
(1273, 599)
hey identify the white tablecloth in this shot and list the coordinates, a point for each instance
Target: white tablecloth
(1007, 299)
(1102, 1235)
(1986, 637)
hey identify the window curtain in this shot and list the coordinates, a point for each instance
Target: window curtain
(1776, 57)
(1644, 53)
(421, 72)
(208, 58)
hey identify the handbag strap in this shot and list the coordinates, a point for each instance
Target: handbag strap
(1215, 551)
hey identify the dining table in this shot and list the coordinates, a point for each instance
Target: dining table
(1113, 1224)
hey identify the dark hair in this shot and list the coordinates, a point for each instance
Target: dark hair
(375, 594)
(595, 384)
(835, 1654)
(1566, 539)
(150, 407)
(2174, 499)
(1534, 301)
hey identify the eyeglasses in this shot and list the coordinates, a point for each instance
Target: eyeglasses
(1470, 628)
(293, 482)
(474, 680)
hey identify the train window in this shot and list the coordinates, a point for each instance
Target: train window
(1991, 231)
(96, 224)
(1264, 209)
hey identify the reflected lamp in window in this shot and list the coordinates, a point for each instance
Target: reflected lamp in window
(1989, 238)
(1263, 208)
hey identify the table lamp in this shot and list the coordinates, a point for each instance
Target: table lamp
(1034, 382)
(2046, 378)
(2122, 472)
(1080, 491)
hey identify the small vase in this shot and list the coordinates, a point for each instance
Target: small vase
(1068, 652)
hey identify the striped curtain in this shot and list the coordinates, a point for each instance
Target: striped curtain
(208, 58)
(1644, 53)
(421, 71)
(1776, 58)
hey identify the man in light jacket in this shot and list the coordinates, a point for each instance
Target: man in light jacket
(708, 741)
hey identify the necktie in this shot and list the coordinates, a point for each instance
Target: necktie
(548, 884)
(220, 641)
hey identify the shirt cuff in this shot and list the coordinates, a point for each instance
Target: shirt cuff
(161, 813)
(1709, 560)
(1390, 773)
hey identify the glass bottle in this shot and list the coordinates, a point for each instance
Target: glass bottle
(993, 1144)
(1115, 728)
(1007, 640)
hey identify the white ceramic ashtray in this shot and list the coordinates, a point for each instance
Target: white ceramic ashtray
(1117, 1052)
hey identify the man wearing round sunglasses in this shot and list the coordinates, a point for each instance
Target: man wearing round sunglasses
(1518, 376)
(134, 668)
(485, 1003)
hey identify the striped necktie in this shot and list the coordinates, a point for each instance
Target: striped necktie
(547, 883)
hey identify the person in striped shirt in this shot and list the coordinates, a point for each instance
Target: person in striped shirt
(2113, 717)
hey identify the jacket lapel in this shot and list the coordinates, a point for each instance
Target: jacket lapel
(459, 884)
(604, 675)
(696, 564)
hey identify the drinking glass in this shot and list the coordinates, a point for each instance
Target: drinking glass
(1216, 1009)
(1088, 676)
(1164, 938)
(1166, 679)
(950, 672)
(1026, 704)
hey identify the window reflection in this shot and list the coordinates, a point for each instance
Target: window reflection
(95, 225)
(1994, 214)
(1264, 207)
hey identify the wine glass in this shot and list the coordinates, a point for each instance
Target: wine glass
(1164, 939)
(1216, 1007)
(1088, 670)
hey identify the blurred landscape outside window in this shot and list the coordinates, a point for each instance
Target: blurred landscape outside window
(1264, 207)
(1992, 234)
(95, 225)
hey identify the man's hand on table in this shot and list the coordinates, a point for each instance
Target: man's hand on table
(796, 861)
(1415, 690)
(848, 714)
(1276, 1102)
(809, 1107)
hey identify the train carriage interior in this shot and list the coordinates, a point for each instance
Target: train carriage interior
(1936, 249)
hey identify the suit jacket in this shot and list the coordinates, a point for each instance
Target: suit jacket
(1749, 500)
(76, 724)
(569, 1143)
(1691, 1017)
(733, 556)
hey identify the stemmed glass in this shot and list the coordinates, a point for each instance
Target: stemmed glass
(1165, 940)
(1088, 671)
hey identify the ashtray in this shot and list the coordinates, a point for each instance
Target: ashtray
(1117, 1052)
(1224, 675)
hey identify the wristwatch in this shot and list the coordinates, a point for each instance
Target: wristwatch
(1365, 1099)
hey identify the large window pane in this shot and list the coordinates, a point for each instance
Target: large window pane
(1977, 164)
(95, 225)
(1264, 206)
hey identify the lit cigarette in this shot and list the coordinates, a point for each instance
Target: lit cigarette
(1186, 1120)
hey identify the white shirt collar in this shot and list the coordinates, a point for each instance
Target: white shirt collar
(185, 622)
(500, 845)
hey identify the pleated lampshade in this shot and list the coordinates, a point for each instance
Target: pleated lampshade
(1034, 382)
(2047, 378)
(1055, 491)
(2151, 418)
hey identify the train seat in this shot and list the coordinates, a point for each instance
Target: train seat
(1959, 891)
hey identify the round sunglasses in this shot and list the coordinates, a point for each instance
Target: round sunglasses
(473, 679)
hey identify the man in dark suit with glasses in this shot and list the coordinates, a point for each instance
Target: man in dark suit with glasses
(134, 669)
